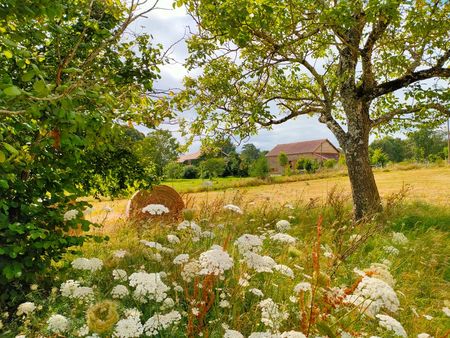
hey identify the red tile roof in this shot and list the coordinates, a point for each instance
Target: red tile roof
(189, 157)
(304, 147)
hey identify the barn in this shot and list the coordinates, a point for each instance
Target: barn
(319, 150)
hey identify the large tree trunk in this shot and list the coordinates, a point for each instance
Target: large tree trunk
(366, 199)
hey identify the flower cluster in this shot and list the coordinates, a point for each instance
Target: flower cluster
(156, 209)
(159, 322)
(215, 261)
(271, 315)
(148, 286)
(88, 264)
(247, 243)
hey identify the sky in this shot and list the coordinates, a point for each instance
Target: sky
(167, 26)
(170, 26)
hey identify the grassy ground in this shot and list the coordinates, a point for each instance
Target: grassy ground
(208, 306)
(424, 184)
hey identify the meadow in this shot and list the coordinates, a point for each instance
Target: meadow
(279, 267)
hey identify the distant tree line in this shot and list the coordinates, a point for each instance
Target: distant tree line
(423, 145)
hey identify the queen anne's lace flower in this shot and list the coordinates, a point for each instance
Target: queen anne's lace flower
(446, 311)
(160, 322)
(119, 291)
(256, 292)
(130, 327)
(424, 335)
(391, 324)
(285, 270)
(190, 270)
(283, 225)
(25, 308)
(173, 239)
(119, 275)
(233, 208)
(399, 238)
(292, 334)
(88, 264)
(258, 262)
(271, 315)
(380, 271)
(391, 250)
(120, 253)
(181, 259)
(58, 324)
(156, 209)
(303, 286)
(233, 334)
(70, 215)
(248, 242)
(215, 262)
(192, 226)
(148, 286)
(83, 293)
(68, 288)
(372, 295)
(283, 238)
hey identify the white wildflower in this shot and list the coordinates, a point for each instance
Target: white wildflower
(283, 238)
(233, 208)
(173, 239)
(181, 259)
(248, 242)
(355, 238)
(120, 253)
(399, 238)
(428, 317)
(215, 262)
(132, 312)
(233, 334)
(58, 324)
(372, 295)
(168, 304)
(119, 291)
(159, 322)
(207, 234)
(34, 287)
(148, 286)
(156, 209)
(257, 292)
(68, 288)
(391, 324)
(424, 335)
(25, 308)
(293, 334)
(224, 303)
(191, 226)
(120, 275)
(446, 311)
(258, 262)
(391, 250)
(88, 264)
(70, 215)
(302, 287)
(130, 327)
(83, 293)
(283, 225)
(285, 270)
(271, 315)
(190, 270)
(380, 271)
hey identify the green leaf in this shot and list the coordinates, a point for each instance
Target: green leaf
(41, 88)
(2, 157)
(10, 148)
(4, 184)
(12, 91)
(28, 76)
(8, 54)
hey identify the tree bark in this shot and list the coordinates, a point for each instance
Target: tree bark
(366, 199)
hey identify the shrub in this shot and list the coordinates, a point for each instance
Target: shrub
(330, 163)
(260, 168)
(213, 167)
(190, 172)
(174, 170)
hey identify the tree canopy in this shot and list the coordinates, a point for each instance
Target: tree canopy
(357, 65)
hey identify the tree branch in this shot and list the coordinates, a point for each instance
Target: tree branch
(409, 110)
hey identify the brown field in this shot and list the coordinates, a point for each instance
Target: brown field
(428, 184)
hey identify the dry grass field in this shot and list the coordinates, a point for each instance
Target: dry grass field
(427, 184)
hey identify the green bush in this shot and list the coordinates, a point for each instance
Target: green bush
(330, 163)
(190, 172)
(174, 170)
(260, 168)
(212, 167)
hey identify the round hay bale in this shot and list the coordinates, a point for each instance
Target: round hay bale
(161, 194)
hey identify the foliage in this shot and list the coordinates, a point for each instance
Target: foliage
(283, 159)
(330, 163)
(212, 167)
(310, 166)
(379, 158)
(190, 171)
(260, 168)
(426, 142)
(397, 150)
(66, 75)
(408, 270)
(174, 170)
(157, 149)
(343, 62)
